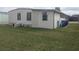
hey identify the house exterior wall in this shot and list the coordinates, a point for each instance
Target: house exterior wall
(56, 18)
(13, 17)
(39, 23)
(36, 19)
(3, 18)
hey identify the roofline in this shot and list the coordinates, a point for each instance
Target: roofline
(20, 8)
(48, 10)
(33, 9)
(65, 14)
(39, 10)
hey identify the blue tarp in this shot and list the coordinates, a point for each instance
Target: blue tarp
(64, 23)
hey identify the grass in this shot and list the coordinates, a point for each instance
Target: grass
(30, 39)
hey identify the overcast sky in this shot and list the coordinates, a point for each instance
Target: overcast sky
(70, 10)
(69, 7)
(67, 10)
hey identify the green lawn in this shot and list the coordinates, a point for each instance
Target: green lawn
(25, 39)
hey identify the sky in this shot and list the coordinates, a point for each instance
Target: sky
(66, 10)
(70, 10)
(69, 7)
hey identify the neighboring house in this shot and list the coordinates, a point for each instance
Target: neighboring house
(37, 18)
(3, 18)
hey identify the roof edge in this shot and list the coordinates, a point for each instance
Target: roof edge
(39, 10)
(20, 8)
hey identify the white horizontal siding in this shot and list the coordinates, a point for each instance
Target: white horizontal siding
(13, 17)
(39, 23)
(36, 20)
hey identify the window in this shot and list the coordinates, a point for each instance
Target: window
(44, 16)
(18, 16)
(29, 16)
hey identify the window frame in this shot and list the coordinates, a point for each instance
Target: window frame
(44, 16)
(29, 16)
(18, 16)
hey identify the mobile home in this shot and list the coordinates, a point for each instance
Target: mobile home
(36, 18)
